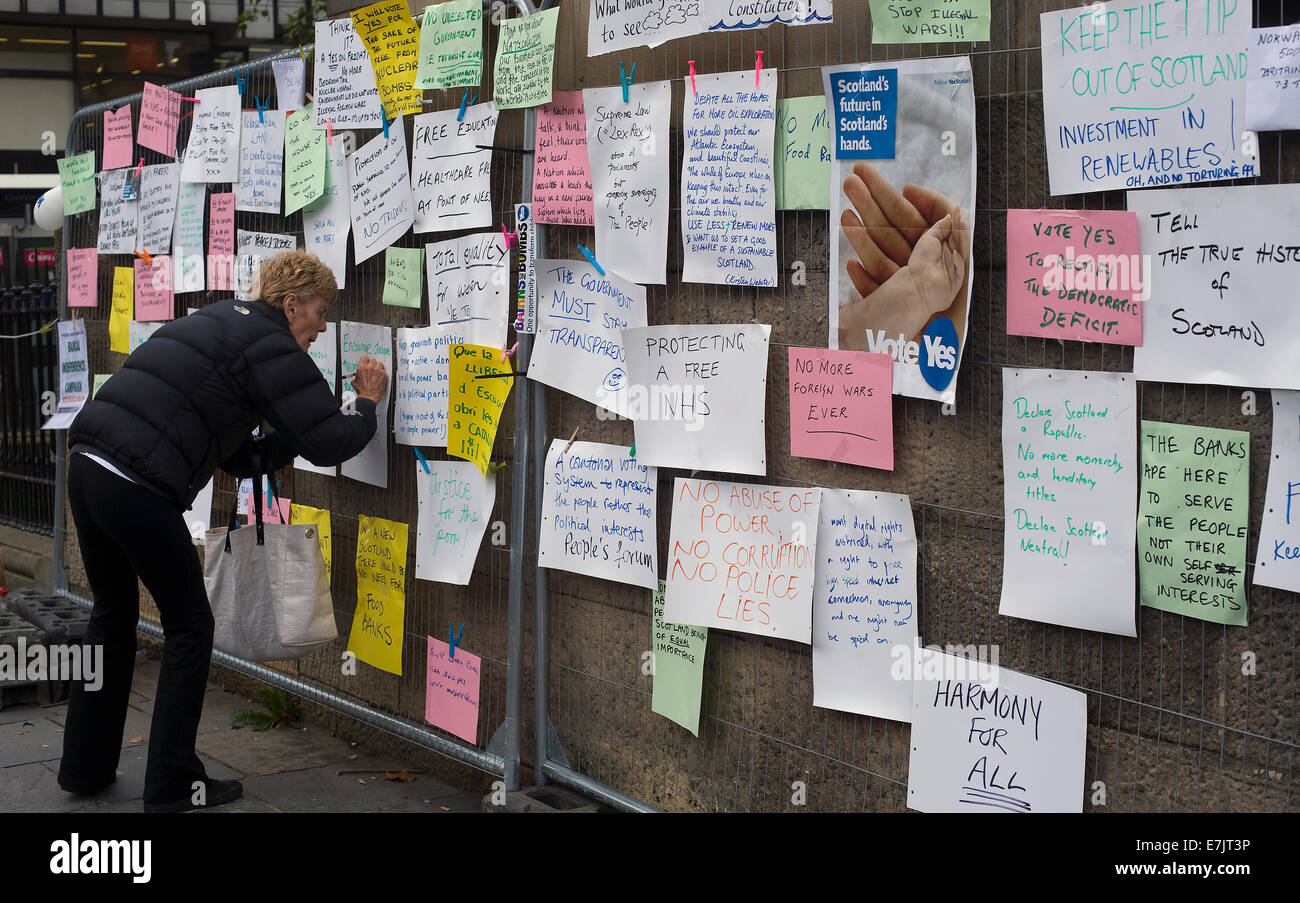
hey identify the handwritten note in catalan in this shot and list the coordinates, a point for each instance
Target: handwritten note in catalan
(629, 175)
(377, 624)
(1223, 264)
(562, 191)
(346, 93)
(1192, 521)
(678, 667)
(475, 404)
(728, 196)
(864, 603)
(581, 318)
(525, 60)
(1136, 96)
(743, 557)
(1076, 274)
(455, 507)
(841, 406)
(1277, 559)
(392, 39)
(451, 175)
(696, 395)
(1009, 743)
(451, 45)
(452, 691)
(929, 21)
(1070, 477)
(598, 513)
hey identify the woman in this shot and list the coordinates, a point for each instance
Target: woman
(183, 404)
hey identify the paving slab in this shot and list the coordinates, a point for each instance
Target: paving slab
(34, 739)
(323, 789)
(280, 749)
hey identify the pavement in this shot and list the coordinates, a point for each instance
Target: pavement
(293, 768)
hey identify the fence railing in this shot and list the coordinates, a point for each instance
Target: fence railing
(28, 371)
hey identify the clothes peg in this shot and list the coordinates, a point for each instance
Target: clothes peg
(383, 114)
(592, 260)
(464, 105)
(576, 430)
(241, 81)
(261, 107)
(691, 64)
(329, 131)
(420, 457)
(454, 641)
(631, 452)
(509, 352)
(303, 54)
(510, 238)
(758, 68)
(190, 99)
(626, 78)
(144, 255)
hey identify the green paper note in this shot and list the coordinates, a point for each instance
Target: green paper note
(1192, 519)
(451, 45)
(802, 163)
(525, 60)
(929, 21)
(678, 668)
(100, 379)
(304, 160)
(403, 276)
(77, 176)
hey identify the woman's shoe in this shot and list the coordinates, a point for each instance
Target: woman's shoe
(216, 793)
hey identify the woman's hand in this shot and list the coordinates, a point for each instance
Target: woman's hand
(371, 380)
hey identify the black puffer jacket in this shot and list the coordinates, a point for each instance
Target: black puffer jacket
(186, 401)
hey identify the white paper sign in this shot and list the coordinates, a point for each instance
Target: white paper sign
(742, 557)
(261, 162)
(1136, 96)
(159, 186)
(290, 78)
(1070, 467)
(467, 278)
(138, 332)
(1013, 745)
(696, 394)
(728, 195)
(617, 26)
(325, 352)
(455, 507)
(379, 192)
(598, 514)
(213, 152)
(629, 176)
(118, 218)
(346, 93)
(251, 248)
(452, 178)
(580, 323)
(1223, 277)
(74, 374)
(864, 603)
(189, 238)
(1273, 88)
(327, 221)
(1277, 562)
(419, 396)
(370, 465)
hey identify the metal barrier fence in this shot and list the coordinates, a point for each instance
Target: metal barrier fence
(1173, 722)
(28, 371)
(492, 605)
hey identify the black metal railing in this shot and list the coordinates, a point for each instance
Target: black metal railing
(28, 370)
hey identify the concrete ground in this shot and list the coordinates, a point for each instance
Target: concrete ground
(287, 769)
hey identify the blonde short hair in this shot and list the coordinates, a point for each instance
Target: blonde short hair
(296, 272)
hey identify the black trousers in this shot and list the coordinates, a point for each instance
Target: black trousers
(126, 530)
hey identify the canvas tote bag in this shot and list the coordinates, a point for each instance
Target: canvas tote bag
(267, 586)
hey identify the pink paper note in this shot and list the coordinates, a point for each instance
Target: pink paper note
(83, 277)
(221, 241)
(160, 113)
(1074, 274)
(451, 691)
(562, 191)
(153, 289)
(117, 138)
(271, 513)
(841, 407)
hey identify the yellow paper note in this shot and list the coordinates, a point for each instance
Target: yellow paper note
(119, 319)
(376, 636)
(474, 408)
(392, 39)
(304, 514)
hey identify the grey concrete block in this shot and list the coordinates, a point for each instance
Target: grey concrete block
(551, 798)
